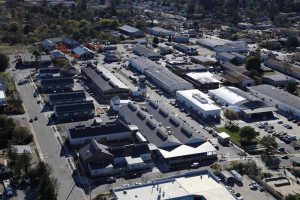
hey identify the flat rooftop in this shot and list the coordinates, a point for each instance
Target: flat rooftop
(203, 77)
(201, 184)
(199, 99)
(228, 95)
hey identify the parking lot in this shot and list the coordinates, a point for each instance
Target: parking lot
(254, 193)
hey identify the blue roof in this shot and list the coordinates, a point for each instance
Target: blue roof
(81, 50)
(57, 54)
(47, 43)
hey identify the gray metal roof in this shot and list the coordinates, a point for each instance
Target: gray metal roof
(68, 96)
(226, 55)
(144, 51)
(74, 107)
(149, 127)
(279, 77)
(166, 78)
(57, 81)
(102, 79)
(109, 128)
(179, 129)
(278, 94)
(129, 29)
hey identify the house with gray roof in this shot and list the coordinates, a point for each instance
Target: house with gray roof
(104, 161)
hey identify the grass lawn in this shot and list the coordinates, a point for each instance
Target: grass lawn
(234, 135)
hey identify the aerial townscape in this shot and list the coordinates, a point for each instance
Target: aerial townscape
(149, 99)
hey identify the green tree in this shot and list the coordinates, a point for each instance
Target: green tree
(292, 41)
(293, 197)
(291, 87)
(155, 40)
(231, 115)
(253, 63)
(21, 135)
(270, 143)
(247, 134)
(4, 62)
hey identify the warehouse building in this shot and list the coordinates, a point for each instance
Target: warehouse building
(160, 32)
(198, 104)
(167, 80)
(67, 97)
(57, 83)
(204, 60)
(224, 57)
(233, 46)
(236, 79)
(103, 161)
(159, 75)
(112, 56)
(74, 111)
(140, 64)
(171, 139)
(211, 43)
(106, 133)
(181, 39)
(280, 99)
(131, 31)
(145, 52)
(104, 83)
(203, 81)
(201, 184)
(283, 67)
(277, 80)
(237, 100)
(239, 58)
(185, 49)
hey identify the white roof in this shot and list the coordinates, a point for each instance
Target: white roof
(199, 99)
(184, 187)
(223, 135)
(130, 160)
(2, 94)
(22, 149)
(203, 77)
(184, 150)
(227, 95)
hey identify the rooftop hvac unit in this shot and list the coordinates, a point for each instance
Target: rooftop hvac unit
(199, 98)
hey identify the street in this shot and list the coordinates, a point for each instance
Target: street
(48, 145)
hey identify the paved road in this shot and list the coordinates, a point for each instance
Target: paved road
(48, 145)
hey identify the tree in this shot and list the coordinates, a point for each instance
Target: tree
(253, 63)
(230, 115)
(247, 134)
(4, 62)
(21, 136)
(48, 185)
(293, 197)
(270, 143)
(170, 39)
(155, 40)
(291, 87)
(292, 41)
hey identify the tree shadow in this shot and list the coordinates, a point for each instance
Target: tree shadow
(271, 161)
